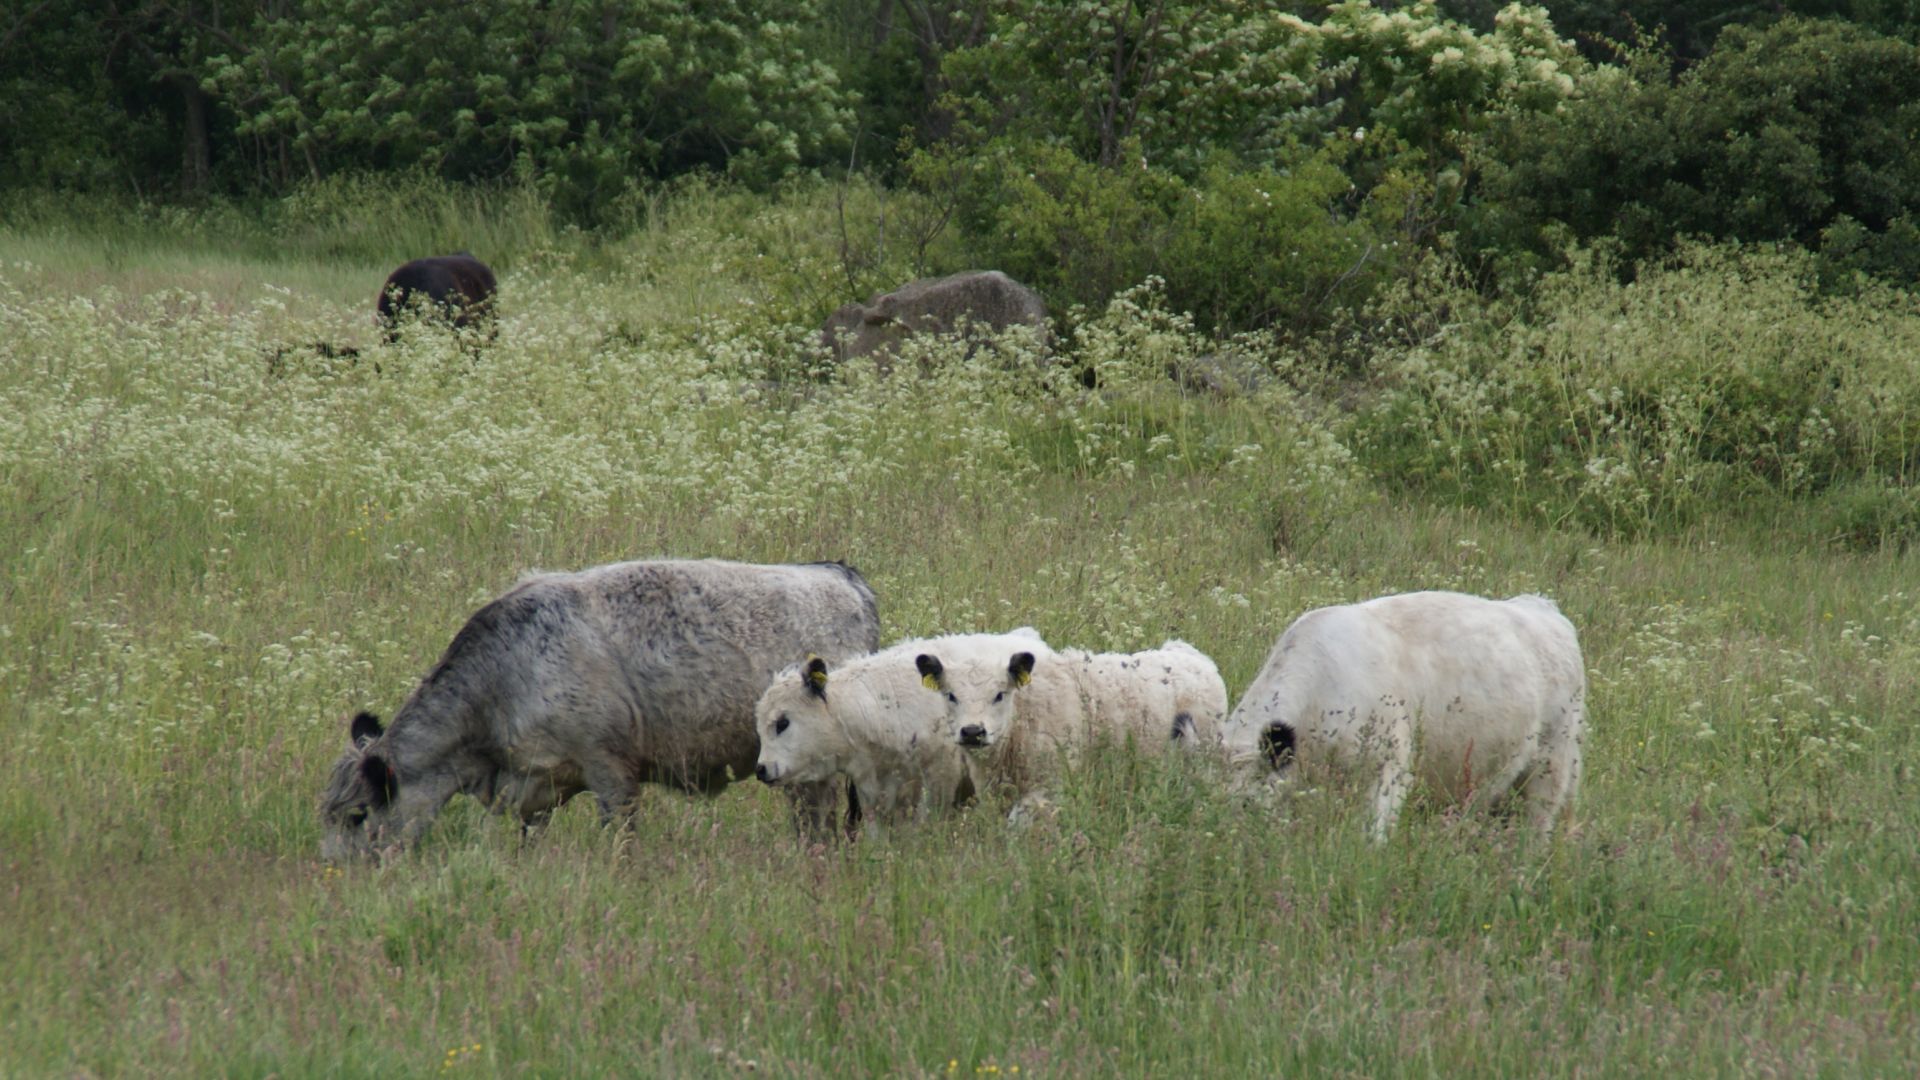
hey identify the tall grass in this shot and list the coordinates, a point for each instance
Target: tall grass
(698, 247)
(208, 566)
(386, 218)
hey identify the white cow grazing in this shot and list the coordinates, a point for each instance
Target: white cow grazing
(1022, 707)
(871, 721)
(1477, 699)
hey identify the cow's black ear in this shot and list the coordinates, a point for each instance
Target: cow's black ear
(381, 779)
(930, 670)
(364, 725)
(1020, 668)
(816, 676)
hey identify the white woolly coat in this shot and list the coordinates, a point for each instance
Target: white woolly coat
(1475, 699)
(1076, 698)
(874, 722)
(1155, 698)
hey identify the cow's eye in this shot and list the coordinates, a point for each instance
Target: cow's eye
(781, 725)
(999, 697)
(952, 698)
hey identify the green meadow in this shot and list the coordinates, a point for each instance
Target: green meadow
(219, 541)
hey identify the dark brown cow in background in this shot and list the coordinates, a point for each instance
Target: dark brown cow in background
(458, 288)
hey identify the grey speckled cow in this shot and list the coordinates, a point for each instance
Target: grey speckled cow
(983, 299)
(600, 680)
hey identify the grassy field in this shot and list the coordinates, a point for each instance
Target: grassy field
(208, 567)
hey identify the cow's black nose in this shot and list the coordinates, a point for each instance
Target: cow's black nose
(973, 735)
(765, 774)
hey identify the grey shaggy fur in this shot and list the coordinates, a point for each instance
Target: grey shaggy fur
(987, 299)
(600, 680)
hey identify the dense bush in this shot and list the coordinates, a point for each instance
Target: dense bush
(1689, 27)
(1273, 170)
(1164, 83)
(1718, 378)
(106, 95)
(1180, 85)
(582, 104)
(1801, 132)
(1420, 83)
(1073, 230)
(62, 129)
(1239, 247)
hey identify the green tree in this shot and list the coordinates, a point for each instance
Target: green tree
(110, 94)
(1804, 131)
(1271, 169)
(1690, 28)
(1173, 79)
(583, 95)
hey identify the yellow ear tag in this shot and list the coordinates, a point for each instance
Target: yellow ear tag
(1023, 678)
(930, 682)
(819, 677)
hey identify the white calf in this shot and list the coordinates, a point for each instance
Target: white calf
(871, 721)
(1477, 699)
(1021, 706)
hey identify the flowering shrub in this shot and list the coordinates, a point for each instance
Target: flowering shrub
(1431, 81)
(1177, 84)
(1721, 377)
(1274, 171)
(582, 104)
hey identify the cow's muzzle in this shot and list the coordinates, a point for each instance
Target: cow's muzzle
(768, 774)
(973, 735)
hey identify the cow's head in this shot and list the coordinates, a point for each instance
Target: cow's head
(979, 697)
(357, 811)
(801, 741)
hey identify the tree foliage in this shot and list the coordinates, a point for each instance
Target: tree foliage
(584, 95)
(1803, 132)
(1174, 79)
(1691, 28)
(96, 94)
(1270, 168)
(1272, 160)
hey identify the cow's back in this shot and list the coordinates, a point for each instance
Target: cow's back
(1485, 679)
(1452, 646)
(698, 642)
(1122, 696)
(460, 285)
(657, 664)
